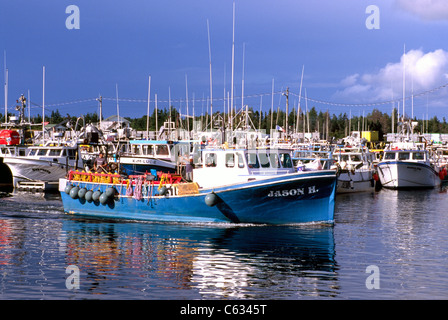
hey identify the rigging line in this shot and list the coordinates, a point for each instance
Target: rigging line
(251, 96)
(374, 103)
(63, 103)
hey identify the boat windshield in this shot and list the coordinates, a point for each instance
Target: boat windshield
(286, 160)
(389, 156)
(252, 160)
(403, 156)
(418, 156)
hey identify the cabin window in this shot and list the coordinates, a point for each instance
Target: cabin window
(42, 152)
(418, 156)
(252, 160)
(135, 149)
(230, 160)
(54, 153)
(275, 162)
(355, 157)
(71, 154)
(389, 156)
(264, 160)
(32, 152)
(403, 156)
(162, 150)
(286, 160)
(148, 150)
(210, 160)
(240, 160)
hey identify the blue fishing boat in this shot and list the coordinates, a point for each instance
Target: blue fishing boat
(230, 186)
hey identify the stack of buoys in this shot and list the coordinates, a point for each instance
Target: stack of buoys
(76, 192)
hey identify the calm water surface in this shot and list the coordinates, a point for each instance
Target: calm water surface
(403, 234)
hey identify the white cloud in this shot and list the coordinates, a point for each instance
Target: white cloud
(425, 9)
(424, 71)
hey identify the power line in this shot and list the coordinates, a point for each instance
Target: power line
(181, 100)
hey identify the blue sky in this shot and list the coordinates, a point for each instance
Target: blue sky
(122, 43)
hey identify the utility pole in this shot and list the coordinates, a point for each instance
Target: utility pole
(100, 100)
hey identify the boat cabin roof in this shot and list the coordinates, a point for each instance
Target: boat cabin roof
(228, 166)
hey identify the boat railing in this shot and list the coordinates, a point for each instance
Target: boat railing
(115, 178)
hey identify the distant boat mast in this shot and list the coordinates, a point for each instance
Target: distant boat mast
(211, 90)
(233, 67)
(6, 89)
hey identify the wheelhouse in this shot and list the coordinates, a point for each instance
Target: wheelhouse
(235, 165)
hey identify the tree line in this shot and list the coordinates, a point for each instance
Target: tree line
(329, 125)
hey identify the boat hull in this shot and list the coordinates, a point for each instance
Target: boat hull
(286, 199)
(401, 174)
(359, 181)
(34, 170)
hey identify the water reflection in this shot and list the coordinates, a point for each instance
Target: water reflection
(207, 262)
(403, 232)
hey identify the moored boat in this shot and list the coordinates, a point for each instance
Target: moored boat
(407, 163)
(40, 167)
(407, 167)
(270, 193)
(356, 170)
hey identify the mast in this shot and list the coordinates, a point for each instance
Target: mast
(43, 104)
(6, 89)
(186, 98)
(233, 67)
(272, 107)
(211, 90)
(287, 111)
(242, 80)
(147, 112)
(300, 96)
(157, 123)
(404, 76)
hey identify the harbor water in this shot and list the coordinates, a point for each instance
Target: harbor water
(383, 245)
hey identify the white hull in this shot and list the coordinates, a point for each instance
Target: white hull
(36, 170)
(359, 181)
(398, 174)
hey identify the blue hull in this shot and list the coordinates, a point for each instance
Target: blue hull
(288, 199)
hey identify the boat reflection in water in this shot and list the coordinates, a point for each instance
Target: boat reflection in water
(174, 261)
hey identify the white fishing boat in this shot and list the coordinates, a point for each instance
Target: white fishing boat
(407, 164)
(356, 170)
(40, 167)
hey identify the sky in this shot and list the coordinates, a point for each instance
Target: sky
(354, 57)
